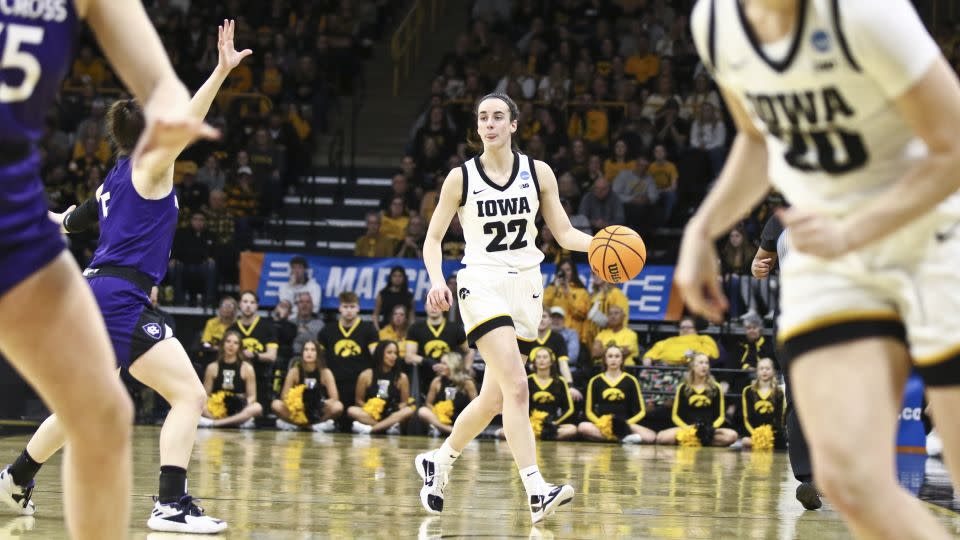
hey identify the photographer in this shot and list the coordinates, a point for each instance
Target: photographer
(568, 292)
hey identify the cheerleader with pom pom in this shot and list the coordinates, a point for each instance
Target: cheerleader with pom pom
(382, 394)
(698, 410)
(551, 403)
(449, 393)
(615, 405)
(763, 409)
(309, 399)
(231, 386)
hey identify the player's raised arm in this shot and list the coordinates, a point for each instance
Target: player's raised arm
(131, 44)
(440, 296)
(553, 213)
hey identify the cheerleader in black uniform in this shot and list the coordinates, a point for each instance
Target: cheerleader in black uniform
(382, 394)
(763, 409)
(615, 404)
(551, 403)
(309, 399)
(449, 393)
(231, 386)
(698, 410)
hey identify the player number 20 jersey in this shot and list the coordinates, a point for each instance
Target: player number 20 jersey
(825, 104)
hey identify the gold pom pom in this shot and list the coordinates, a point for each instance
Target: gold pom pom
(763, 437)
(374, 407)
(605, 423)
(294, 403)
(537, 418)
(217, 405)
(687, 436)
(444, 411)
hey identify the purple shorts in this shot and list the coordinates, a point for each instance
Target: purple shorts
(132, 323)
(28, 239)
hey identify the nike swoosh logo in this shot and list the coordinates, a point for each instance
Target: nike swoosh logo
(536, 296)
(479, 191)
(943, 236)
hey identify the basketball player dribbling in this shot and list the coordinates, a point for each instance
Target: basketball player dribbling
(496, 196)
(137, 211)
(41, 291)
(851, 111)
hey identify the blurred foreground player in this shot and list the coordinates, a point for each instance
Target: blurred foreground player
(862, 136)
(36, 39)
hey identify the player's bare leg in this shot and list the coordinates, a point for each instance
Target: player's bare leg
(855, 388)
(96, 414)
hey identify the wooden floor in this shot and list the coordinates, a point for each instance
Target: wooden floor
(277, 485)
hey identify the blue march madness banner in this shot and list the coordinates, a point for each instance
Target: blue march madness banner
(649, 293)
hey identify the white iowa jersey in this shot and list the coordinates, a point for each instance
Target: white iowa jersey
(833, 135)
(499, 222)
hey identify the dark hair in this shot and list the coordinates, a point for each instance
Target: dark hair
(348, 297)
(251, 293)
(473, 139)
(223, 341)
(574, 273)
(321, 359)
(378, 367)
(125, 123)
(404, 286)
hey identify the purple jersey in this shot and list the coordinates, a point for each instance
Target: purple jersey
(36, 45)
(134, 232)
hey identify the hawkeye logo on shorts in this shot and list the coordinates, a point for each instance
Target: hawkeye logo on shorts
(464, 293)
(153, 330)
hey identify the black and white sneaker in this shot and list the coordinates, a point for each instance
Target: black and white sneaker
(546, 503)
(17, 498)
(183, 516)
(435, 478)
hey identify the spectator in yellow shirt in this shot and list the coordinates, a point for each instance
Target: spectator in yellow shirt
(397, 329)
(373, 244)
(88, 65)
(643, 64)
(604, 295)
(393, 224)
(616, 333)
(619, 162)
(666, 176)
(215, 327)
(679, 349)
(569, 293)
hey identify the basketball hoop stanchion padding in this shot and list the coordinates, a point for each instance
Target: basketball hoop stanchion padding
(911, 438)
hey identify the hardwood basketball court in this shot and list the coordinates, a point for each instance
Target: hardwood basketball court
(280, 485)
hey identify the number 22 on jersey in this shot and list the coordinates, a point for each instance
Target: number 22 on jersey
(12, 36)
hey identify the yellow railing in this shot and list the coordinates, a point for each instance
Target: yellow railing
(405, 44)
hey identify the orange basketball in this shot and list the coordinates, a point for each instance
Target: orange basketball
(617, 254)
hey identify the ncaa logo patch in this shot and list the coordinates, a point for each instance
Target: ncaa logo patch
(153, 330)
(820, 40)
(524, 175)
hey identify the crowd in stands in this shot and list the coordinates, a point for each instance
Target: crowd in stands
(270, 111)
(611, 96)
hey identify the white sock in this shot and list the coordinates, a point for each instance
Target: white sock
(532, 481)
(445, 455)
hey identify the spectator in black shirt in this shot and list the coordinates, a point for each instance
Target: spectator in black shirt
(191, 194)
(396, 293)
(192, 268)
(401, 188)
